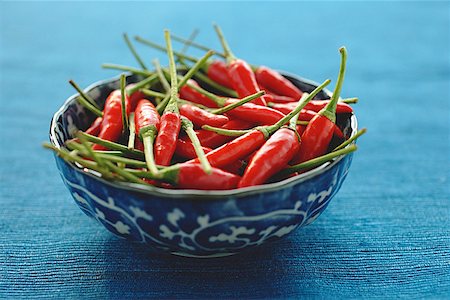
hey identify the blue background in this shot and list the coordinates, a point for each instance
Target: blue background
(386, 233)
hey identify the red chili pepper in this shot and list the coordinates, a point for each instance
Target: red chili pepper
(185, 149)
(147, 123)
(243, 80)
(275, 82)
(217, 71)
(212, 140)
(338, 132)
(192, 176)
(192, 95)
(317, 105)
(271, 158)
(319, 132)
(259, 114)
(314, 105)
(251, 141)
(300, 129)
(235, 149)
(165, 143)
(94, 129)
(134, 98)
(111, 127)
(201, 117)
(240, 73)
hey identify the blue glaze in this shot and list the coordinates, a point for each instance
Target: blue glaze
(196, 223)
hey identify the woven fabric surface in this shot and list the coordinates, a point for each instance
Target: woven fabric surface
(384, 235)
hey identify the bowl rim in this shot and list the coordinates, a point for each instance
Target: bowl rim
(193, 193)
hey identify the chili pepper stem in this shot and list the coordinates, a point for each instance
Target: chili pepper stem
(127, 69)
(161, 76)
(83, 99)
(352, 100)
(226, 48)
(132, 133)
(133, 51)
(302, 103)
(350, 140)
(189, 41)
(224, 109)
(161, 106)
(194, 44)
(213, 84)
(329, 111)
(83, 94)
(226, 132)
(89, 150)
(124, 174)
(141, 84)
(318, 160)
(152, 93)
(189, 129)
(172, 105)
(125, 121)
(148, 139)
(111, 145)
(220, 101)
(70, 157)
(161, 48)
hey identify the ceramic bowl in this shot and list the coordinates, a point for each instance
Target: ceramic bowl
(197, 223)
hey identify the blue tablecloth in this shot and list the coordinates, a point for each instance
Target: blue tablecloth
(386, 233)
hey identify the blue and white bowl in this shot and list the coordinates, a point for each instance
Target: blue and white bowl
(197, 223)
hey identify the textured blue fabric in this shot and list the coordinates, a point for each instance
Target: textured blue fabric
(386, 233)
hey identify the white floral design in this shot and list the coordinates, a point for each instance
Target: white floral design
(224, 236)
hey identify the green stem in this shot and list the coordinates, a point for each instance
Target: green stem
(161, 48)
(238, 103)
(189, 129)
(127, 69)
(304, 123)
(329, 111)
(220, 101)
(112, 145)
(141, 84)
(133, 51)
(89, 150)
(75, 158)
(350, 100)
(148, 138)
(172, 104)
(293, 122)
(128, 176)
(350, 140)
(268, 130)
(161, 76)
(226, 132)
(85, 103)
(226, 47)
(125, 121)
(194, 44)
(153, 93)
(189, 41)
(132, 134)
(197, 66)
(318, 160)
(83, 94)
(161, 106)
(224, 90)
(302, 103)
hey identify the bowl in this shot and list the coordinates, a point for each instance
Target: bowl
(197, 223)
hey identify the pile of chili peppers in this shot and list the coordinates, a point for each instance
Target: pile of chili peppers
(209, 124)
